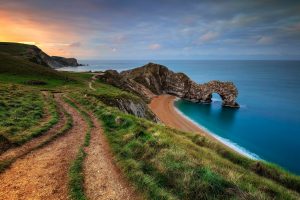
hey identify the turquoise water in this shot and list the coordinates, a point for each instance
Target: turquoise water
(267, 126)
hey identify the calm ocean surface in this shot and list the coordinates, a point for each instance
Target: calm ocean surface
(267, 126)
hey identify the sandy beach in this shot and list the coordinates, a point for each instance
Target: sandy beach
(163, 107)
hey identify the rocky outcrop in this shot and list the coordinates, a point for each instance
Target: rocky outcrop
(128, 105)
(114, 78)
(72, 62)
(36, 55)
(138, 109)
(154, 79)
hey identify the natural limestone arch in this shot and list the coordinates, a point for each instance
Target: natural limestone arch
(226, 90)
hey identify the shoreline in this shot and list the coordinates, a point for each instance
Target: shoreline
(164, 108)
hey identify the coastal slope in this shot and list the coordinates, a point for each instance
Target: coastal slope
(106, 145)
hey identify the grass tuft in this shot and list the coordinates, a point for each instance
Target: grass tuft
(76, 178)
(6, 163)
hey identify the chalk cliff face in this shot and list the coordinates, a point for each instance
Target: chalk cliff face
(154, 79)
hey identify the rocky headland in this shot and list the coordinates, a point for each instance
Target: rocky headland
(34, 54)
(70, 62)
(154, 79)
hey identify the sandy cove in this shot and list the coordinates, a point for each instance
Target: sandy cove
(163, 107)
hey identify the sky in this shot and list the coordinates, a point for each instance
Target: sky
(155, 29)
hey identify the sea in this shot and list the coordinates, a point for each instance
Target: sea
(267, 124)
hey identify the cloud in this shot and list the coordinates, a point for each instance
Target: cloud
(264, 40)
(75, 44)
(155, 46)
(126, 26)
(207, 37)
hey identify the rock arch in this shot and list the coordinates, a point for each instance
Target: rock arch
(154, 79)
(227, 91)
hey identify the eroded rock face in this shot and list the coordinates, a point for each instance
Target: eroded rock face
(154, 79)
(136, 107)
(72, 62)
(36, 55)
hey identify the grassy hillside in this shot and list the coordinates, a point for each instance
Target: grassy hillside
(24, 113)
(162, 163)
(168, 164)
(16, 66)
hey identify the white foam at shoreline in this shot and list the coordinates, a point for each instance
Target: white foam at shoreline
(225, 141)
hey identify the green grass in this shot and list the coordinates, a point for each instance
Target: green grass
(16, 68)
(118, 98)
(164, 163)
(76, 178)
(109, 91)
(22, 113)
(69, 123)
(15, 49)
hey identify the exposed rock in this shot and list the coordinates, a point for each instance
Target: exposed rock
(135, 107)
(36, 55)
(72, 62)
(114, 78)
(154, 79)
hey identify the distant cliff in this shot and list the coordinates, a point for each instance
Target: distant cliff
(154, 79)
(36, 55)
(66, 61)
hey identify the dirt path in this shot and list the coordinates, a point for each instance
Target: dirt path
(91, 86)
(93, 79)
(43, 173)
(103, 180)
(25, 148)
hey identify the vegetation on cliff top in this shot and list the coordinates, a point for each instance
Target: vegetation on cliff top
(168, 164)
(163, 163)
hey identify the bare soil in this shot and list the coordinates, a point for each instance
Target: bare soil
(103, 179)
(43, 173)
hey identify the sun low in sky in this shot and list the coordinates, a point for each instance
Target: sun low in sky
(156, 29)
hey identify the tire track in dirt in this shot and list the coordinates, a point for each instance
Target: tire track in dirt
(43, 173)
(28, 146)
(102, 178)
